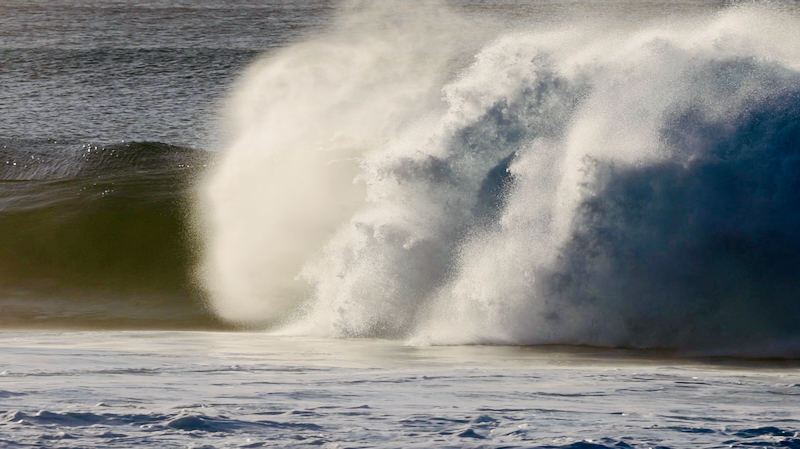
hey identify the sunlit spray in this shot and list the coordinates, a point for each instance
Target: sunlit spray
(579, 184)
(298, 128)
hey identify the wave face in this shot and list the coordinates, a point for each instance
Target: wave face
(95, 236)
(575, 185)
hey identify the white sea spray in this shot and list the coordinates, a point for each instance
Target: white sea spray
(578, 184)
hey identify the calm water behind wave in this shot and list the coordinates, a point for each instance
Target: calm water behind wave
(105, 72)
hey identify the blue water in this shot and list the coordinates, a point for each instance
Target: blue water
(179, 389)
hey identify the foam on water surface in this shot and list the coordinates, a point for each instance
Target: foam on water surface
(192, 389)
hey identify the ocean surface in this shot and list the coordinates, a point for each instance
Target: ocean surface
(535, 224)
(239, 390)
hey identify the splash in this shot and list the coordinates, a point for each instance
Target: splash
(571, 185)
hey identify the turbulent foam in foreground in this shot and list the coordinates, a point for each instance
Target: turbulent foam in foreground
(576, 185)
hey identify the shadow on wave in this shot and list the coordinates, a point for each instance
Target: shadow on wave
(97, 236)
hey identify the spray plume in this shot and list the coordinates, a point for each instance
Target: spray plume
(572, 185)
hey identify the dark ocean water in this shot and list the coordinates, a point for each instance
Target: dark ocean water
(106, 72)
(107, 111)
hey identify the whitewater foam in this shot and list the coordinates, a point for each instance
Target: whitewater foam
(575, 185)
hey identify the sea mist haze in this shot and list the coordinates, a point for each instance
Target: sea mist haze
(560, 224)
(574, 183)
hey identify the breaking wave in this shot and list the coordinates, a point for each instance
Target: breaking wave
(579, 184)
(96, 235)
